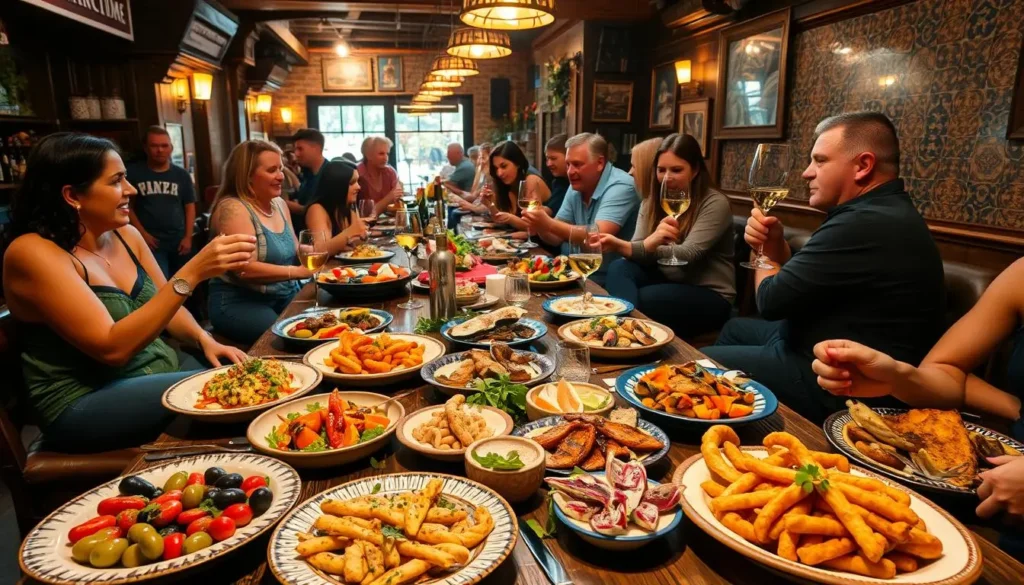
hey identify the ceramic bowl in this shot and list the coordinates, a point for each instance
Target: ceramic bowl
(534, 412)
(497, 420)
(314, 358)
(514, 485)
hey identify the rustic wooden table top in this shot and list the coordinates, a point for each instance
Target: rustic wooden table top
(686, 556)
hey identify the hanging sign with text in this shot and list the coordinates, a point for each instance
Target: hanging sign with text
(112, 16)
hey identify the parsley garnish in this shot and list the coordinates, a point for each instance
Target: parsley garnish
(511, 462)
(313, 407)
(316, 446)
(207, 506)
(427, 325)
(550, 527)
(376, 464)
(376, 488)
(392, 532)
(273, 439)
(501, 393)
(444, 503)
(809, 476)
(292, 415)
(370, 434)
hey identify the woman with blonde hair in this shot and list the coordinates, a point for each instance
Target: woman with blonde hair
(695, 298)
(244, 304)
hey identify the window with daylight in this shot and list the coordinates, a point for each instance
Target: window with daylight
(345, 127)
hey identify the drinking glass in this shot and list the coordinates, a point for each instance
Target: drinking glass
(517, 289)
(407, 235)
(585, 258)
(768, 175)
(528, 201)
(465, 223)
(675, 202)
(573, 361)
(366, 211)
(313, 255)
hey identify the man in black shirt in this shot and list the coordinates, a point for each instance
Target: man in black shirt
(871, 272)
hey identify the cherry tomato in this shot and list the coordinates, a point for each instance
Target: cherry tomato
(90, 527)
(173, 495)
(160, 514)
(199, 525)
(189, 516)
(195, 479)
(126, 519)
(240, 513)
(112, 506)
(172, 545)
(221, 528)
(252, 482)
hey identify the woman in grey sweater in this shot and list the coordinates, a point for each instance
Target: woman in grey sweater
(691, 299)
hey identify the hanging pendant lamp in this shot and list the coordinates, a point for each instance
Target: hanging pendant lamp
(508, 14)
(438, 82)
(436, 92)
(426, 99)
(478, 43)
(448, 66)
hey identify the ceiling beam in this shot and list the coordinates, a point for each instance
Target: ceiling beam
(630, 10)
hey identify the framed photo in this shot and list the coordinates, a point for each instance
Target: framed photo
(177, 132)
(694, 117)
(664, 91)
(348, 74)
(613, 51)
(389, 74)
(613, 101)
(752, 78)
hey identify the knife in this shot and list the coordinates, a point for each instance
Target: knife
(547, 561)
(185, 453)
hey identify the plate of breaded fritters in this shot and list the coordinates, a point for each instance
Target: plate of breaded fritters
(928, 448)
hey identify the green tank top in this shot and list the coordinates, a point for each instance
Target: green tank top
(57, 373)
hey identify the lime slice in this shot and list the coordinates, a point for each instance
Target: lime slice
(593, 402)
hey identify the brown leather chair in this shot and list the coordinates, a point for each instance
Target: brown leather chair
(41, 480)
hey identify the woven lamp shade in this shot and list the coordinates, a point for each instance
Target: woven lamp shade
(508, 14)
(425, 99)
(441, 82)
(478, 43)
(448, 66)
(436, 92)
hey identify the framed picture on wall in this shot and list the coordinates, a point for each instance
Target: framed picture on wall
(389, 74)
(664, 90)
(613, 101)
(177, 132)
(348, 74)
(694, 117)
(752, 78)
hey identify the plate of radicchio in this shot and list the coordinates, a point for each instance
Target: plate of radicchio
(619, 509)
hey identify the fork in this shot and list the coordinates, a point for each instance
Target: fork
(915, 470)
(236, 445)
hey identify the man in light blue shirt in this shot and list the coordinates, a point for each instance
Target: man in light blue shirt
(600, 194)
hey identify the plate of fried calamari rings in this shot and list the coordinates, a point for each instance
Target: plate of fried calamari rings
(812, 515)
(393, 530)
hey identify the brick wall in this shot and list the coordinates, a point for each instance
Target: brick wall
(306, 81)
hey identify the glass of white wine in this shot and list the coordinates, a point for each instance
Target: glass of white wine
(517, 289)
(585, 258)
(675, 202)
(313, 255)
(767, 180)
(407, 234)
(528, 201)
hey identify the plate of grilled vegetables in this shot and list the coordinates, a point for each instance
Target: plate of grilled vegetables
(587, 440)
(459, 373)
(618, 337)
(929, 448)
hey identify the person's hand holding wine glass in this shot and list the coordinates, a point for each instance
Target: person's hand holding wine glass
(675, 201)
(586, 257)
(313, 255)
(768, 174)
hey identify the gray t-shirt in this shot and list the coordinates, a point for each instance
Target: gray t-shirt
(463, 174)
(160, 203)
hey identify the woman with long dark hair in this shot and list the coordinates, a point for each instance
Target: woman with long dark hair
(333, 210)
(694, 298)
(90, 300)
(508, 166)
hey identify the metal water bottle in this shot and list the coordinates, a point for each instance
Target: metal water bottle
(441, 265)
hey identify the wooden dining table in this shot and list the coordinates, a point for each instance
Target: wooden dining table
(687, 555)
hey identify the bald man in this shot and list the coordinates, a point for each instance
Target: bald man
(460, 181)
(871, 272)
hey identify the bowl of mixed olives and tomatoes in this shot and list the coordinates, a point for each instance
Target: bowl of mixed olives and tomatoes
(144, 522)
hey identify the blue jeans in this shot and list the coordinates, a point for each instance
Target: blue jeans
(124, 413)
(689, 310)
(243, 315)
(167, 256)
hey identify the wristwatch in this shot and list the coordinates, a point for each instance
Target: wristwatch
(181, 286)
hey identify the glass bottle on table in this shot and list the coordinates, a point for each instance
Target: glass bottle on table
(675, 201)
(528, 201)
(585, 258)
(768, 174)
(407, 235)
(313, 256)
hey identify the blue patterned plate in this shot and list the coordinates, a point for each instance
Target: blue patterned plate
(281, 328)
(540, 330)
(45, 554)
(464, 494)
(765, 403)
(545, 365)
(536, 427)
(567, 306)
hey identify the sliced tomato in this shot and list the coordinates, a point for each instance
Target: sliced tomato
(335, 419)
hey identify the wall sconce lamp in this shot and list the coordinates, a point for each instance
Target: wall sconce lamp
(286, 117)
(179, 89)
(202, 86)
(263, 102)
(684, 77)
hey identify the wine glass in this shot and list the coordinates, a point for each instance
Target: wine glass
(768, 175)
(585, 258)
(675, 202)
(528, 201)
(517, 289)
(573, 361)
(313, 255)
(407, 234)
(365, 207)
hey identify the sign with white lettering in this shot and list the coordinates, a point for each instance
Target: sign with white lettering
(112, 16)
(205, 40)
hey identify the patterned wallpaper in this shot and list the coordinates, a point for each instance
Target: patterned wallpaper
(943, 71)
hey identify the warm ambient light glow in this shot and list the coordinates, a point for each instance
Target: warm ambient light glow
(263, 102)
(341, 49)
(478, 43)
(286, 115)
(180, 88)
(436, 92)
(425, 99)
(508, 14)
(439, 82)
(683, 71)
(886, 80)
(202, 86)
(448, 66)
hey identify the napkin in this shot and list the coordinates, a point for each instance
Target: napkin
(477, 274)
